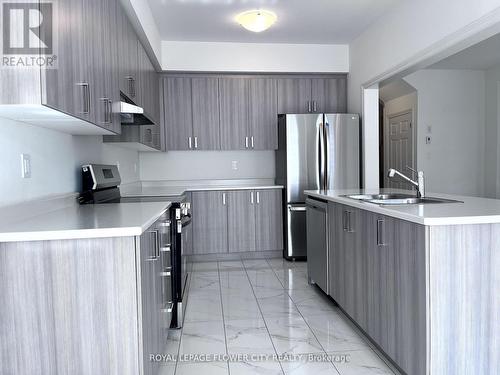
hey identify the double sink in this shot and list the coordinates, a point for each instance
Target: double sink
(395, 199)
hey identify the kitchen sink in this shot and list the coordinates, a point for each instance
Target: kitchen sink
(398, 199)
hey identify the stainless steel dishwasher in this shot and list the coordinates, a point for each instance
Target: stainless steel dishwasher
(317, 243)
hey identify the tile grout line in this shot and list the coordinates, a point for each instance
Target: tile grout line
(262, 316)
(223, 319)
(287, 291)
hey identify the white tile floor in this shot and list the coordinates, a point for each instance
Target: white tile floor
(266, 307)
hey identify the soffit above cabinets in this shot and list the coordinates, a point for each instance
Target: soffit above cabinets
(299, 21)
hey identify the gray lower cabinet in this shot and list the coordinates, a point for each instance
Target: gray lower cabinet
(83, 306)
(237, 221)
(268, 220)
(241, 221)
(209, 210)
(377, 275)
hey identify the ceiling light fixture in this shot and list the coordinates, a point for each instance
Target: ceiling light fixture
(256, 20)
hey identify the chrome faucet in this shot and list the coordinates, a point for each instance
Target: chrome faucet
(419, 184)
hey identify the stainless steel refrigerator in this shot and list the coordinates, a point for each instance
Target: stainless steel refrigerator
(315, 152)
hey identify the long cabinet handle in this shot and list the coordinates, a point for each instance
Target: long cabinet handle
(131, 86)
(251, 141)
(345, 218)
(156, 251)
(350, 226)
(258, 197)
(196, 142)
(314, 106)
(251, 197)
(246, 142)
(308, 106)
(223, 199)
(85, 97)
(381, 233)
(190, 142)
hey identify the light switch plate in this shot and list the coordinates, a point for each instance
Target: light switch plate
(25, 166)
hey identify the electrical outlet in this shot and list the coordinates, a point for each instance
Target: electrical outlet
(234, 165)
(428, 140)
(25, 166)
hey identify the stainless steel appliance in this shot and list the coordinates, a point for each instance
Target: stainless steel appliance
(317, 243)
(315, 152)
(100, 184)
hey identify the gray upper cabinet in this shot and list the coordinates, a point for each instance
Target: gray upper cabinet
(129, 61)
(205, 104)
(66, 88)
(241, 221)
(263, 113)
(178, 113)
(104, 90)
(312, 95)
(209, 222)
(234, 118)
(294, 95)
(268, 220)
(329, 95)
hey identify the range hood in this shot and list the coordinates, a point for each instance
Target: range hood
(131, 114)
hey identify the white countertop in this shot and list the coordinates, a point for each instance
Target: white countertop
(471, 210)
(174, 191)
(88, 221)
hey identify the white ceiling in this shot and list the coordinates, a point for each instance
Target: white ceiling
(299, 21)
(481, 56)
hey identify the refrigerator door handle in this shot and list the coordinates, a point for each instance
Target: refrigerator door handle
(326, 135)
(322, 166)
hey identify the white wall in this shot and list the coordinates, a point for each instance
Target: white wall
(492, 143)
(414, 30)
(55, 159)
(452, 102)
(202, 165)
(255, 57)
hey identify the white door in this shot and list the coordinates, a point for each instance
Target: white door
(400, 148)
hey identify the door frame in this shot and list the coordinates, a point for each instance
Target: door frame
(384, 162)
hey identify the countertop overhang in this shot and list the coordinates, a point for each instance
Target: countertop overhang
(87, 221)
(470, 210)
